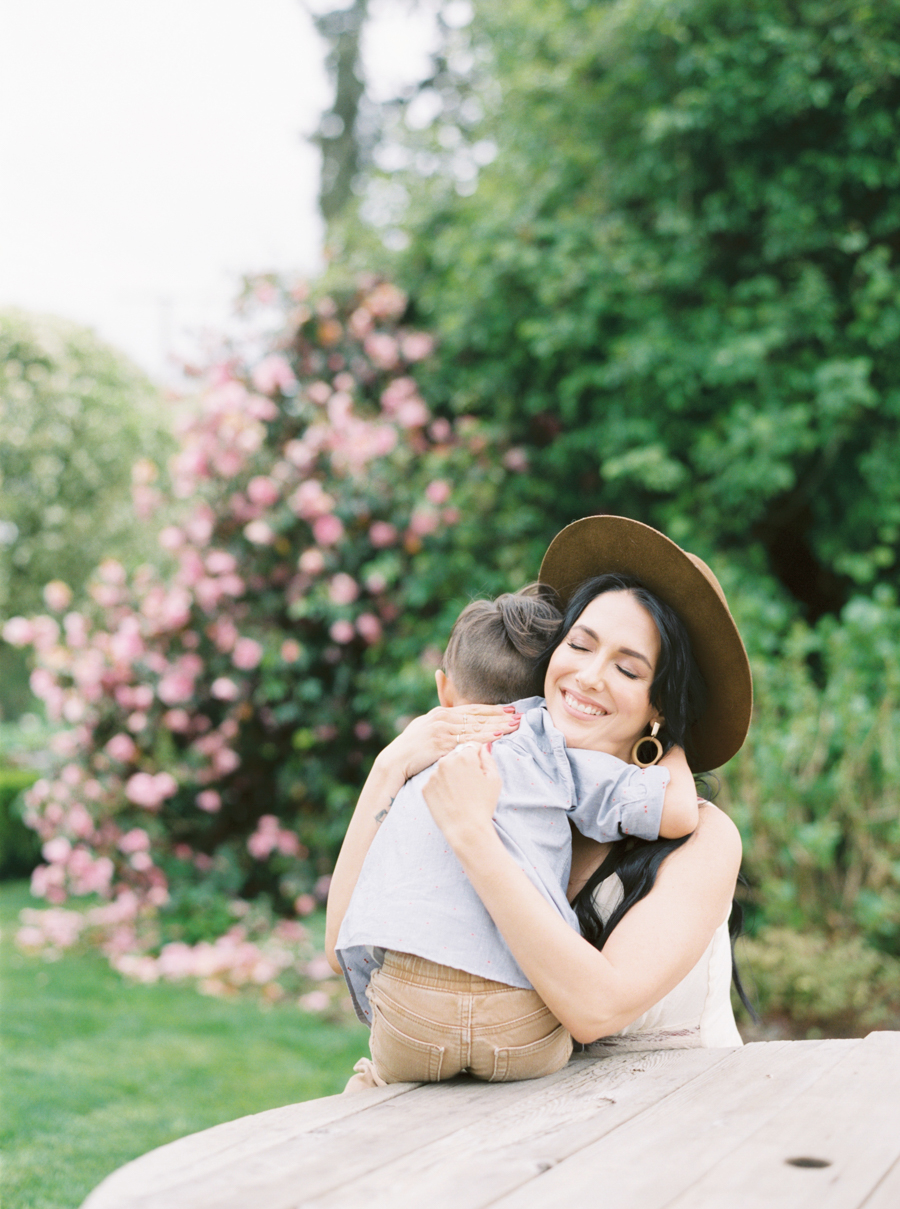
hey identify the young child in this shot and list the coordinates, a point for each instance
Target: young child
(426, 966)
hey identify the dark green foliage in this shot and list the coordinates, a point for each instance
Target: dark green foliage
(20, 848)
(678, 281)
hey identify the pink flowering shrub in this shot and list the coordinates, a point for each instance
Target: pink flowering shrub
(218, 714)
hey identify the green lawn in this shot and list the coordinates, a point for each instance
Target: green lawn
(97, 1071)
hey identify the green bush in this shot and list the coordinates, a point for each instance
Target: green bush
(20, 848)
(816, 788)
(823, 985)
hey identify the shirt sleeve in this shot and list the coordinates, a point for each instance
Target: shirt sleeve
(614, 799)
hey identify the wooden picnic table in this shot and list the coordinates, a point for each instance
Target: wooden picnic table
(775, 1124)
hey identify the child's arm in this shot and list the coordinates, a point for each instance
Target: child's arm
(681, 812)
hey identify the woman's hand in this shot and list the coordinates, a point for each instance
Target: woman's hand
(440, 732)
(462, 793)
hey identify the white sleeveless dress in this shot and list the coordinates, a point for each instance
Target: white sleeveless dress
(696, 1013)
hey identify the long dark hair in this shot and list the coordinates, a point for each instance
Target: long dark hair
(678, 691)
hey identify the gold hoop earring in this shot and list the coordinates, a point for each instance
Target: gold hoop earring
(651, 738)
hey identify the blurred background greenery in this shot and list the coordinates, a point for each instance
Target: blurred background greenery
(656, 243)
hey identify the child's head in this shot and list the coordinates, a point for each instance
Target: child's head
(494, 648)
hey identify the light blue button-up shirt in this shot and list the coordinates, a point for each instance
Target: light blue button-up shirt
(413, 896)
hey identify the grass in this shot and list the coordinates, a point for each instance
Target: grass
(96, 1071)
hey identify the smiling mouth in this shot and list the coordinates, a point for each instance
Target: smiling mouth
(579, 707)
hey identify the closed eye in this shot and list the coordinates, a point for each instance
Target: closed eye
(625, 672)
(575, 646)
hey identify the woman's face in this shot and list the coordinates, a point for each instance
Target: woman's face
(598, 680)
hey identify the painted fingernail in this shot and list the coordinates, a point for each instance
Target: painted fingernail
(510, 709)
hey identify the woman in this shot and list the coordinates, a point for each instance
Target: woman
(602, 678)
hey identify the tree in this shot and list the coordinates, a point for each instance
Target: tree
(678, 282)
(83, 434)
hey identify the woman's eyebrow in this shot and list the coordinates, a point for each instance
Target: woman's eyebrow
(623, 650)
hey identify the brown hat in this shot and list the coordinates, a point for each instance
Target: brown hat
(600, 545)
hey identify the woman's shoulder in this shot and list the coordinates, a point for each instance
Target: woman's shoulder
(714, 848)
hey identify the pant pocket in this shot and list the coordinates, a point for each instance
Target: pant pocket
(531, 1061)
(400, 1058)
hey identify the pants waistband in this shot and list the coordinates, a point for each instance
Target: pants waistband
(431, 974)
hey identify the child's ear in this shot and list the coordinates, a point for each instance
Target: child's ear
(446, 689)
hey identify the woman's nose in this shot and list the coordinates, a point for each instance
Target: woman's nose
(591, 675)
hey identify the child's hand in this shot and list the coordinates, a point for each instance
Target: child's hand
(441, 731)
(463, 791)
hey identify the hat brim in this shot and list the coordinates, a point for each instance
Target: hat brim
(599, 545)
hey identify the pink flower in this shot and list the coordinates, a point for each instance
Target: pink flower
(423, 522)
(342, 631)
(291, 650)
(382, 350)
(18, 631)
(312, 561)
(263, 490)
(327, 530)
(319, 393)
(343, 589)
(121, 747)
(438, 491)
(363, 730)
(171, 538)
(76, 629)
(304, 904)
(441, 430)
(225, 761)
(220, 562)
(224, 633)
(200, 526)
(261, 408)
(314, 1001)
(516, 460)
(417, 346)
(57, 850)
(57, 595)
(209, 801)
(247, 654)
(369, 627)
(386, 301)
(135, 840)
(361, 323)
(177, 720)
(144, 789)
(259, 533)
(45, 632)
(311, 500)
(299, 454)
(224, 689)
(273, 373)
(176, 687)
(232, 585)
(381, 534)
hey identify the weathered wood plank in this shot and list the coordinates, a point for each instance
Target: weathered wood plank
(269, 1167)
(828, 1149)
(662, 1152)
(523, 1136)
(166, 1165)
(887, 1193)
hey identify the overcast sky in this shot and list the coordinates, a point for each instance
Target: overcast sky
(151, 152)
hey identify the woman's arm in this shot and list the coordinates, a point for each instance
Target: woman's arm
(424, 741)
(593, 994)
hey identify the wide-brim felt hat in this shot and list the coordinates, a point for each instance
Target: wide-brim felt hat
(599, 545)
